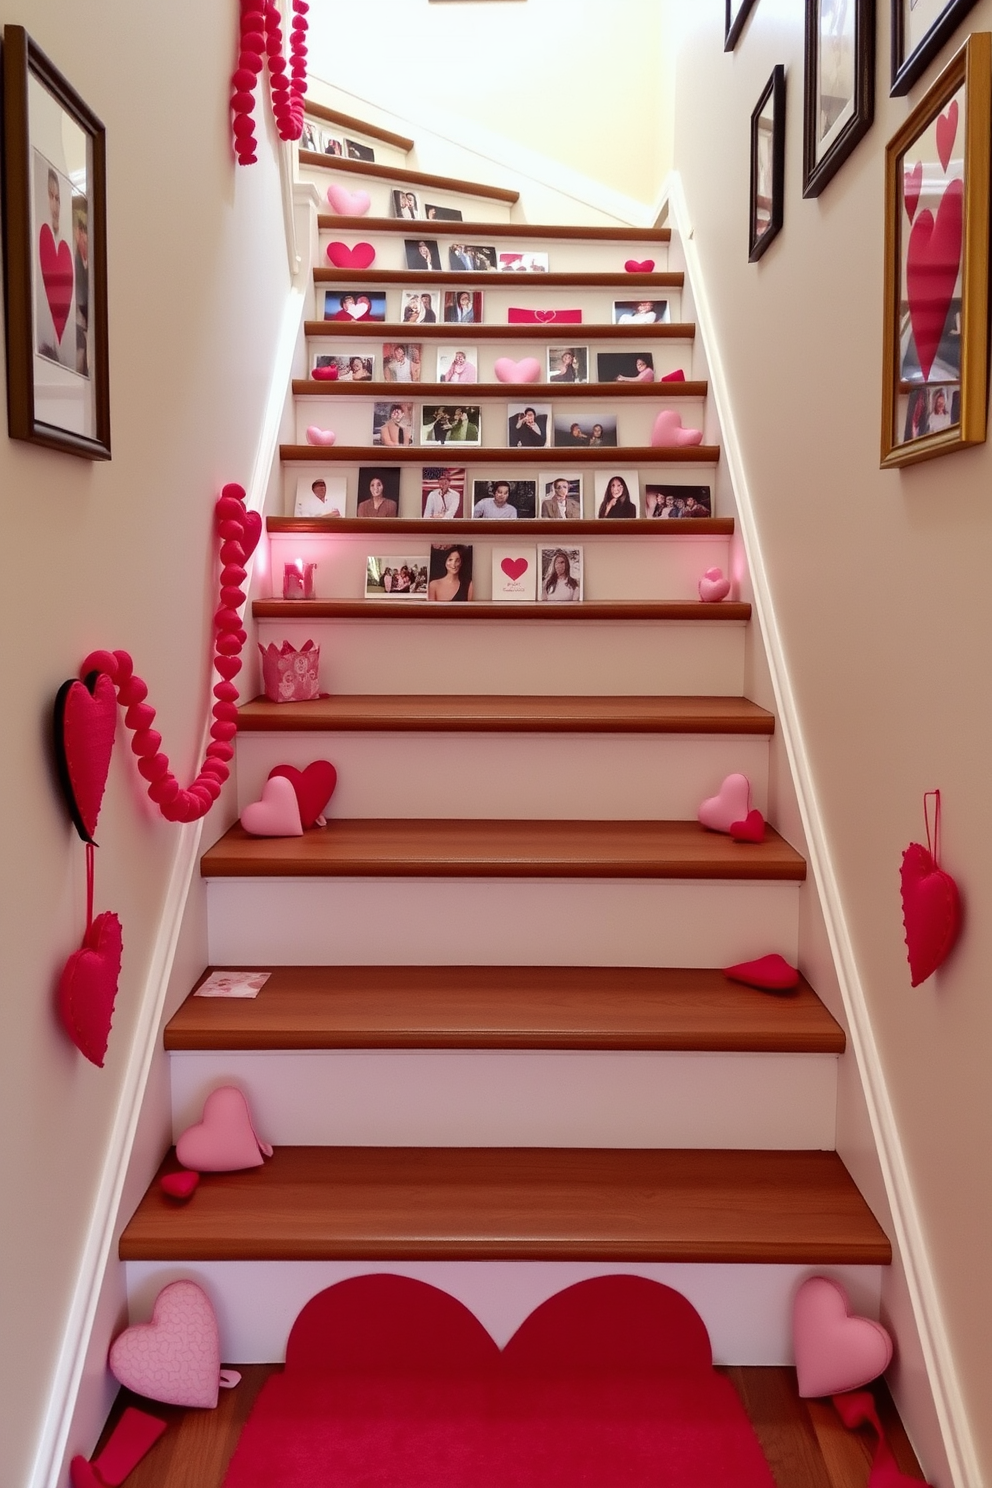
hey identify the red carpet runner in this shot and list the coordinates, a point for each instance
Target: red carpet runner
(390, 1383)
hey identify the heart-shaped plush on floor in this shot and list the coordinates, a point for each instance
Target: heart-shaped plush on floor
(668, 431)
(713, 586)
(947, 128)
(224, 1139)
(834, 1351)
(314, 788)
(174, 1358)
(130, 1440)
(639, 266)
(751, 829)
(276, 814)
(514, 568)
(85, 722)
(528, 369)
(730, 804)
(912, 185)
(348, 203)
(317, 435)
(55, 263)
(931, 912)
(88, 987)
(179, 1186)
(361, 256)
(933, 259)
(768, 973)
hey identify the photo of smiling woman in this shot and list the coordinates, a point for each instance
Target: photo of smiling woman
(450, 579)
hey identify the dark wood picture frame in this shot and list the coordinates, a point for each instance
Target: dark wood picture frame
(936, 348)
(817, 172)
(734, 21)
(55, 287)
(907, 68)
(771, 202)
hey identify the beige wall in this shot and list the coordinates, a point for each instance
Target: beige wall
(117, 554)
(880, 590)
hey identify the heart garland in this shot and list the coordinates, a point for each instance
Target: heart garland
(931, 904)
(261, 40)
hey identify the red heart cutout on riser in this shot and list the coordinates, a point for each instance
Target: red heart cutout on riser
(912, 185)
(947, 128)
(314, 787)
(931, 912)
(88, 988)
(57, 275)
(85, 725)
(361, 256)
(932, 263)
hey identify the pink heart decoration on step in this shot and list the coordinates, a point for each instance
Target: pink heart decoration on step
(224, 1140)
(514, 568)
(276, 814)
(317, 435)
(88, 988)
(668, 431)
(931, 912)
(176, 1357)
(361, 256)
(730, 804)
(57, 276)
(912, 185)
(947, 128)
(834, 1351)
(933, 259)
(528, 369)
(713, 586)
(314, 788)
(639, 266)
(348, 203)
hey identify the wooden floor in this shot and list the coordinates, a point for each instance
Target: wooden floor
(805, 1442)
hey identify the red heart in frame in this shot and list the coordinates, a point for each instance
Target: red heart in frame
(88, 987)
(947, 128)
(912, 185)
(57, 275)
(361, 256)
(931, 912)
(85, 724)
(932, 263)
(314, 787)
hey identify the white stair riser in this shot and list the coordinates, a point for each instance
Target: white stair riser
(565, 256)
(605, 777)
(533, 657)
(616, 565)
(669, 355)
(476, 208)
(497, 922)
(385, 153)
(505, 291)
(511, 1098)
(747, 1309)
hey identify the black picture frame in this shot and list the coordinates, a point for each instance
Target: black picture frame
(766, 198)
(55, 285)
(737, 12)
(818, 171)
(907, 68)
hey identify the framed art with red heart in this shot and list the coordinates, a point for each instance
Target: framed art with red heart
(935, 369)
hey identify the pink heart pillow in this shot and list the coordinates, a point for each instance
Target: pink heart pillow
(176, 1357)
(528, 369)
(834, 1351)
(668, 431)
(713, 586)
(277, 814)
(348, 203)
(224, 1140)
(730, 804)
(317, 435)
(361, 256)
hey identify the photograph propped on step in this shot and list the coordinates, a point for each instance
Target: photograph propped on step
(354, 304)
(420, 306)
(561, 496)
(378, 491)
(393, 576)
(402, 361)
(450, 578)
(442, 494)
(504, 500)
(568, 364)
(618, 493)
(561, 575)
(322, 496)
(670, 503)
(625, 366)
(454, 423)
(585, 430)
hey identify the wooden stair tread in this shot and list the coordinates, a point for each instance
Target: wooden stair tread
(388, 609)
(488, 454)
(494, 527)
(356, 330)
(491, 278)
(488, 1203)
(413, 848)
(502, 713)
(312, 387)
(357, 126)
(506, 1007)
(315, 159)
(481, 231)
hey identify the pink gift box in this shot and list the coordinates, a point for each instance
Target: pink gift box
(290, 675)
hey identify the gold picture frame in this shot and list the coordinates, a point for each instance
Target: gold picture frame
(935, 368)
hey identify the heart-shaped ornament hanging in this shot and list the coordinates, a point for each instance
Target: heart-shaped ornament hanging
(931, 904)
(85, 723)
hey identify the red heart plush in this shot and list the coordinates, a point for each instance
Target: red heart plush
(933, 259)
(931, 912)
(252, 532)
(361, 256)
(326, 374)
(912, 185)
(56, 274)
(314, 787)
(768, 973)
(751, 829)
(85, 724)
(180, 1185)
(88, 987)
(947, 128)
(639, 266)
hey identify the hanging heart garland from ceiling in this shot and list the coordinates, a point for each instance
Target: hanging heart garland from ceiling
(262, 40)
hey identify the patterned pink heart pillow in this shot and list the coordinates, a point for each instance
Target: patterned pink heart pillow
(176, 1357)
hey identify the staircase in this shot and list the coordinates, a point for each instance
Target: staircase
(496, 1051)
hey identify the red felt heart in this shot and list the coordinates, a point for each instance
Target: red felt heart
(326, 374)
(361, 256)
(932, 263)
(85, 724)
(768, 973)
(751, 829)
(931, 912)
(639, 266)
(180, 1185)
(56, 275)
(947, 128)
(252, 521)
(83, 1474)
(912, 185)
(88, 987)
(314, 787)
(514, 567)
